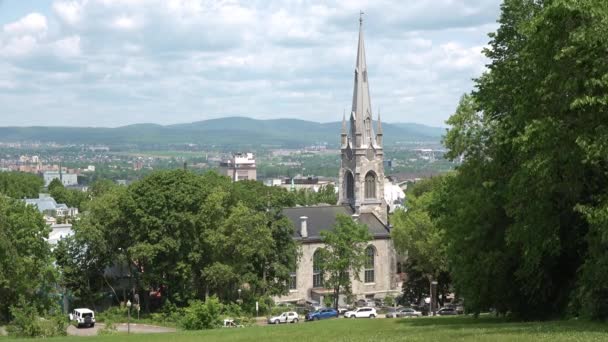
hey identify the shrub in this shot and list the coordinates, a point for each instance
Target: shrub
(113, 314)
(389, 300)
(202, 315)
(28, 323)
(108, 329)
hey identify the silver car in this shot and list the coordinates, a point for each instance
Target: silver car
(285, 317)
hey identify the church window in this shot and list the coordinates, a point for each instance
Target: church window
(317, 271)
(293, 281)
(370, 185)
(350, 185)
(370, 254)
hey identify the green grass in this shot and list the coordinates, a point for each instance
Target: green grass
(420, 329)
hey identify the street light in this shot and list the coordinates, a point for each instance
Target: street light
(129, 317)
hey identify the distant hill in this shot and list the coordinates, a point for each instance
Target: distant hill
(230, 131)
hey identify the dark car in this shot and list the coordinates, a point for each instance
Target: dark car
(447, 312)
(321, 314)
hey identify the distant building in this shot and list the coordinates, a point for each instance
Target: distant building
(48, 206)
(65, 178)
(241, 166)
(299, 182)
(58, 232)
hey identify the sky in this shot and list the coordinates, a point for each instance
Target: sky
(118, 62)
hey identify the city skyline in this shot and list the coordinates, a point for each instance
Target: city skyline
(113, 63)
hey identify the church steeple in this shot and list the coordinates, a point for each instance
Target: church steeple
(344, 135)
(362, 171)
(361, 127)
(379, 131)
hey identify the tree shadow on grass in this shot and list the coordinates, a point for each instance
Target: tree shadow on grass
(504, 325)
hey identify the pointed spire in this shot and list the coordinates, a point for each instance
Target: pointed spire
(361, 107)
(379, 129)
(344, 122)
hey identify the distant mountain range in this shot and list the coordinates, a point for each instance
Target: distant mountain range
(230, 131)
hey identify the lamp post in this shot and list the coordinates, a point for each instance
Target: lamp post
(129, 317)
(239, 291)
(433, 296)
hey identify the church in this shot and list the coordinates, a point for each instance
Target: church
(361, 196)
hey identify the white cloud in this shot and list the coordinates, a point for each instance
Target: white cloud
(127, 23)
(69, 12)
(68, 47)
(199, 59)
(33, 23)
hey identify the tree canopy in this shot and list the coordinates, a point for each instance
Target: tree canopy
(26, 270)
(20, 184)
(343, 254)
(186, 235)
(525, 213)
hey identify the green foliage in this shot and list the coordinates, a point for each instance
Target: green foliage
(202, 315)
(28, 323)
(108, 329)
(343, 254)
(195, 235)
(20, 185)
(113, 314)
(523, 215)
(389, 300)
(26, 268)
(326, 194)
(71, 197)
(416, 235)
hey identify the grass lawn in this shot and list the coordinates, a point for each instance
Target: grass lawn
(419, 329)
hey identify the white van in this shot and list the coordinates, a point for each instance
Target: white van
(83, 317)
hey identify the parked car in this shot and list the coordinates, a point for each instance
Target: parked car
(446, 312)
(403, 312)
(408, 312)
(321, 314)
(366, 302)
(285, 317)
(83, 317)
(342, 310)
(364, 312)
(391, 312)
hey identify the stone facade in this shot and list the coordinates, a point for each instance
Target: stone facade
(385, 280)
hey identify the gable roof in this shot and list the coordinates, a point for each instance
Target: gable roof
(324, 217)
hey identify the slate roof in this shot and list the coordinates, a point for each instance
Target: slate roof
(46, 203)
(324, 217)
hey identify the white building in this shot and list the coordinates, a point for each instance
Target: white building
(241, 166)
(65, 178)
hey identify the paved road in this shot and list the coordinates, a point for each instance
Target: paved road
(135, 328)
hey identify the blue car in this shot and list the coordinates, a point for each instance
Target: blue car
(321, 314)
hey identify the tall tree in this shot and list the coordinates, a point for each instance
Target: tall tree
(26, 269)
(519, 214)
(344, 254)
(20, 185)
(416, 235)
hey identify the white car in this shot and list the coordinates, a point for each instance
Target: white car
(83, 317)
(285, 317)
(365, 312)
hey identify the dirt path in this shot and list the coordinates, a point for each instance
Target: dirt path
(122, 327)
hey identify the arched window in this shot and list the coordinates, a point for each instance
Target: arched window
(370, 254)
(350, 185)
(317, 270)
(370, 185)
